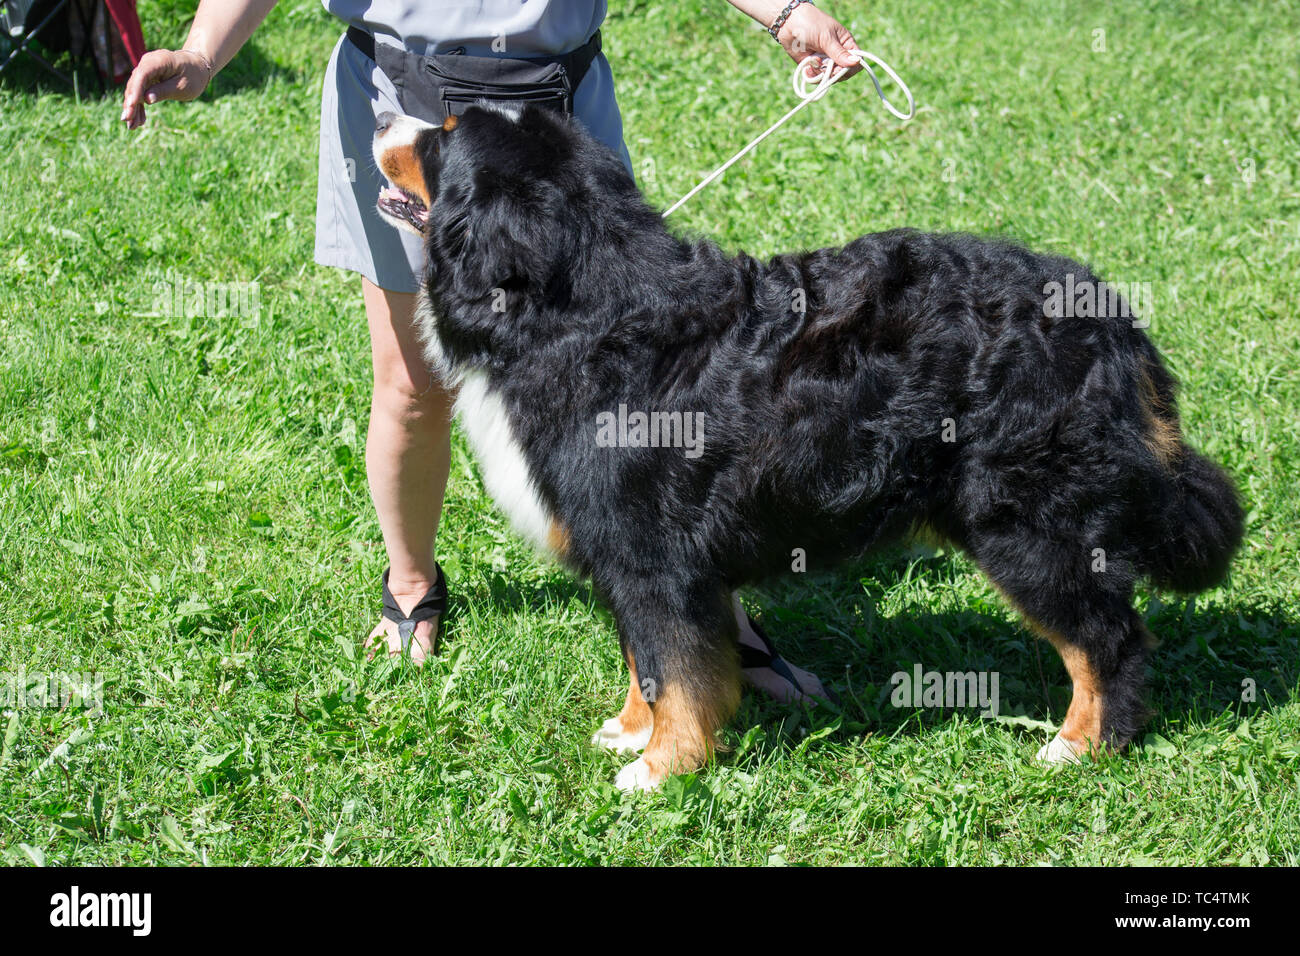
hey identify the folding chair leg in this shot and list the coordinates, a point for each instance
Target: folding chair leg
(21, 47)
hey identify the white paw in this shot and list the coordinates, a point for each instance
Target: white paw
(636, 776)
(1057, 751)
(611, 736)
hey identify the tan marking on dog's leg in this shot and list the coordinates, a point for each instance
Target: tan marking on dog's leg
(1081, 731)
(630, 730)
(636, 714)
(686, 722)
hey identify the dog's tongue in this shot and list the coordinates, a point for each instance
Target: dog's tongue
(413, 210)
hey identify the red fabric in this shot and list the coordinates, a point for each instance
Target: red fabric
(128, 27)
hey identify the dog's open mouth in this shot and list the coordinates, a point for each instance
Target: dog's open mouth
(403, 207)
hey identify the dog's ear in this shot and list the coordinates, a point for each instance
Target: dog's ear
(517, 149)
(430, 148)
(504, 240)
(504, 228)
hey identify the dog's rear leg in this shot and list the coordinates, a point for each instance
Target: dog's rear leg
(687, 673)
(1106, 707)
(1103, 643)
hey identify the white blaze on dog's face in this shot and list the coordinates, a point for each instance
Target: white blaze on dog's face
(400, 145)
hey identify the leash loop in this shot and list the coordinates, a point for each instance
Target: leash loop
(828, 75)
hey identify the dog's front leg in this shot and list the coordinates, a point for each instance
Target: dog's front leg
(681, 646)
(630, 731)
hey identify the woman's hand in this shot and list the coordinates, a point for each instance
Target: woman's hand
(811, 32)
(164, 75)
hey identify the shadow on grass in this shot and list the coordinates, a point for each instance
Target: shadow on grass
(1239, 657)
(508, 592)
(250, 69)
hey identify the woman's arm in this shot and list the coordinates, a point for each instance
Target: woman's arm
(807, 32)
(220, 28)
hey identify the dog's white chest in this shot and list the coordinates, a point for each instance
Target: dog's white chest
(505, 472)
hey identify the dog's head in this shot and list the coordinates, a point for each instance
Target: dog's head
(519, 200)
(408, 152)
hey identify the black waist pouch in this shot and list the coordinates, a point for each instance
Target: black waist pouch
(432, 88)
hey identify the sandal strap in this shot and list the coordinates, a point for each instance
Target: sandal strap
(433, 604)
(766, 656)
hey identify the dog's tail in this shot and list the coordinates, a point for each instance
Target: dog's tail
(1194, 521)
(1200, 526)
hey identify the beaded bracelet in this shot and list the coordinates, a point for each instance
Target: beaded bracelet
(779, 22)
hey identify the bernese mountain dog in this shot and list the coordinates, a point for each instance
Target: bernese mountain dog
(673, 422)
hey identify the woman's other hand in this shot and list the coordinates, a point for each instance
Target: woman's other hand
(164, 75)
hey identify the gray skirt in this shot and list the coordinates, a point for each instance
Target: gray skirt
(349, 232)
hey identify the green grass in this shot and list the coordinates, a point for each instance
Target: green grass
(183, 506)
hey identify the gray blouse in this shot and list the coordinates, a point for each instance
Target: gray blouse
(518, 28)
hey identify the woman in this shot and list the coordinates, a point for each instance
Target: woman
(407, 446)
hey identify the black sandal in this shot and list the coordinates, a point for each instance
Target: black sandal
(433, 604)
(766, 657)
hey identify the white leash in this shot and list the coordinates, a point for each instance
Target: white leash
(821, 85)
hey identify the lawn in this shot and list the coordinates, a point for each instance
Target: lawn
(184, 513)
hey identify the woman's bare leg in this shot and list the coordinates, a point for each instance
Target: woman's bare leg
(407, 457)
